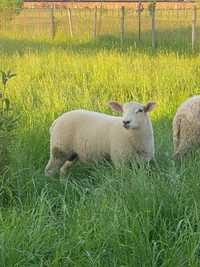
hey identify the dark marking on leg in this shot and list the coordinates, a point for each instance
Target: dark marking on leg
(63, 156)
(72, 156)
(58, 154)
(107, 157)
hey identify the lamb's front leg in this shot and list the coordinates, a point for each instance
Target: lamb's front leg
(120, 156)
(72, 157)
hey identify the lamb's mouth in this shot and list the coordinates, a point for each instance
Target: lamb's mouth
(126, 126)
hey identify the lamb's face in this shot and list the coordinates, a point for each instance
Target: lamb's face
(134, 114)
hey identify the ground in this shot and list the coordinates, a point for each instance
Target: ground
(99, 216)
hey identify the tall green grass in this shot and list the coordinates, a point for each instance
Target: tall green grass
(100, 216)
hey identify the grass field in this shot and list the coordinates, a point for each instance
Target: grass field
(101, 216)
(172, 25)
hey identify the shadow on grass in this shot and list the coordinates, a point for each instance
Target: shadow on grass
(178, 40)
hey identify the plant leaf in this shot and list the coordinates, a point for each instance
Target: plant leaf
(7, 103)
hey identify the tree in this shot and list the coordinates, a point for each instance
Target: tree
(10, 3)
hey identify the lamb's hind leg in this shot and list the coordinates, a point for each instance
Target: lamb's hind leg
(71, 158)
(182, 151)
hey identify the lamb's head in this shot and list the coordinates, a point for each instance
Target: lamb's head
(134, 114)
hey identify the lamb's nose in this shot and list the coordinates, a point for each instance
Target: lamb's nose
(126, 122)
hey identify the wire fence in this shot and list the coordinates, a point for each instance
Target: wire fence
(152, 26)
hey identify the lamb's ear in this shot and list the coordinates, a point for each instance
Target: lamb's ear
(116, 106)
(149, 106)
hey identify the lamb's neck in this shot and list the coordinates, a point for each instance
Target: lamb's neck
(144, 131)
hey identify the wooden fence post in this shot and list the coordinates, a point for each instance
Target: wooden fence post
(139, 24)
(0, 23)
(194, 24)
(100, 20)
(53, 24)
(14, 23)
(70, 22)
(122, 22)
(139, 11)
(153, 26)
(95, 22)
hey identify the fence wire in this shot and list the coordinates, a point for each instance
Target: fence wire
(172, 26)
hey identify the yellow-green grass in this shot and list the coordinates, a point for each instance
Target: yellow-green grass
(101, 216)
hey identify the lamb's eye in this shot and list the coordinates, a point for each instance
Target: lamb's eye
(139, 110)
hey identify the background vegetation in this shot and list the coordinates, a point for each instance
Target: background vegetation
(10, 3)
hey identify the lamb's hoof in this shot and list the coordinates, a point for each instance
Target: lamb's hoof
(62, 173)
(49, 172)
(65, 167)
(177, 156)
(63, 178)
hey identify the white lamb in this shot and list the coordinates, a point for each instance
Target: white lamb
(186, 126)
(87, 135)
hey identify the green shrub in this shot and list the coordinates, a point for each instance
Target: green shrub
(10, 3)
(8, 121)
